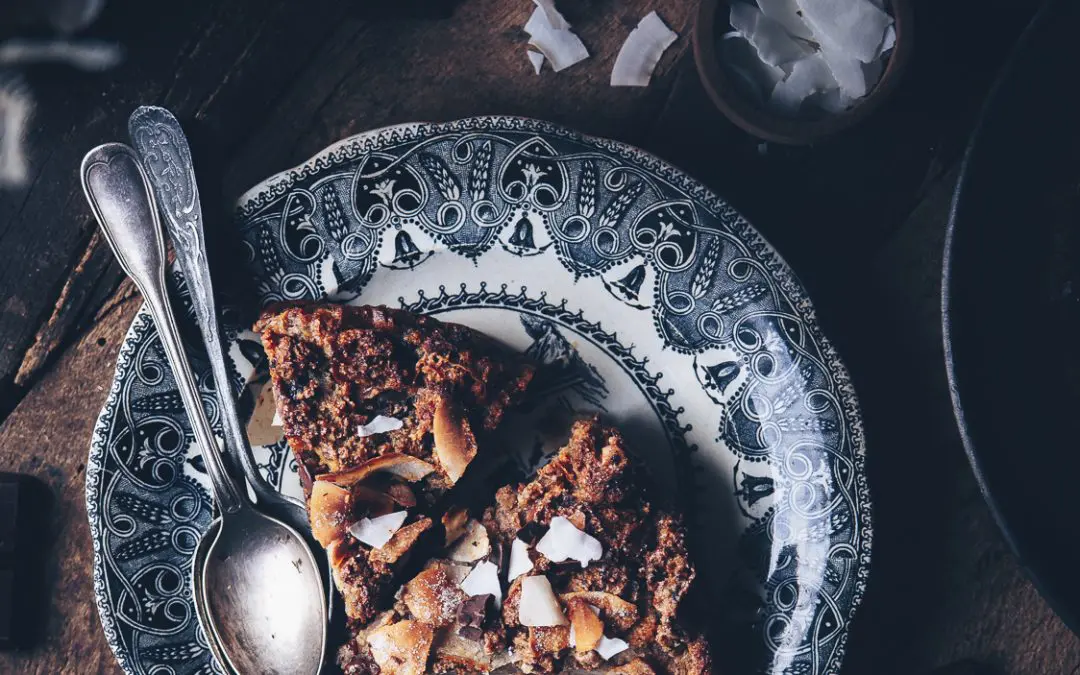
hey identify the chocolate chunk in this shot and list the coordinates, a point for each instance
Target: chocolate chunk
(531, 533)
(471, 615)
(471, 633)
(496, 556)
(25, 506)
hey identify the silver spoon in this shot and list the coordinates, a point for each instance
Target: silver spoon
(163, 151)
(261, 587)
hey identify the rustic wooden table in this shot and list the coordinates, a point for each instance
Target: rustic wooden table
(261, 85)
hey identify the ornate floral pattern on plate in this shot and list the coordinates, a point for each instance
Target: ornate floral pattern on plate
(644, 295)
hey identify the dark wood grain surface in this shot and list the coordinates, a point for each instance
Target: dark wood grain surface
(263, 84)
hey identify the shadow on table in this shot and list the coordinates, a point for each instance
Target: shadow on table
(406, 9)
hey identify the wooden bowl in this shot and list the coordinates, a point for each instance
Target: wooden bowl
(771, 126)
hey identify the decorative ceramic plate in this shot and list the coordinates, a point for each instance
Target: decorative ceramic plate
(644, 296)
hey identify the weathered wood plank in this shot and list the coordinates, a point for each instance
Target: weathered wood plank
(221, 61)
(47, 436)
(371, 75)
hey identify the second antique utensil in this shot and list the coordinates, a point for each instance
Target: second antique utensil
(262, 589)
(163, 151)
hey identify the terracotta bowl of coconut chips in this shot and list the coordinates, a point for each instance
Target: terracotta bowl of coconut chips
(798, 71)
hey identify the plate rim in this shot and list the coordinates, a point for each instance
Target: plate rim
(276, 184)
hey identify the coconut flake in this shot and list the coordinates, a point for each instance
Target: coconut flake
(264, 426)
(564, 541)
(380, 425)
(554, 17)
(520, 563)
(559, 45)
(786, 13)
(855, 28)
(484, 580)
(608, 647)
(375, 532)
(773, 44)
(889, 41)
(473, 545)
(537, 60)
(641, 52)
(809, 76)
(538, 605)
(741, 58)
(847, 71)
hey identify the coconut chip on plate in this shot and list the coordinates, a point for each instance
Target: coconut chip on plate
(641, 52)
(564, 542)
(520, 562)
(560, 46)
(376, 532)
(538, 606)
(484, 580)
(381, 424)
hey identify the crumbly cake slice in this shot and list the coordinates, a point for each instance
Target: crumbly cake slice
(618, 613)
(381, 408)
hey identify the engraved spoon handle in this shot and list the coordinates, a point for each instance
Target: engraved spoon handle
(166, 159)
(116, 187)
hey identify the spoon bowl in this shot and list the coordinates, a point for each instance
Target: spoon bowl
(259, 623)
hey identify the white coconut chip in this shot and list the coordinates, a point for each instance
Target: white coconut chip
(608, 647)
(852, 27)
(641, 52)
(809, 76)
(380, 425)
(473, 545)
(772, 42)
(889, 41)
(555, 18)
(277, 421)
(538, 605)
(847, 71)
(520, 563)
(375, 532)
(786, 13)
(563, 542)
(484, 580)
(536, 59)
(558, 45)
(742, 60)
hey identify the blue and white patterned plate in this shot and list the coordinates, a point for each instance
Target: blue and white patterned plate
(645, 296)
